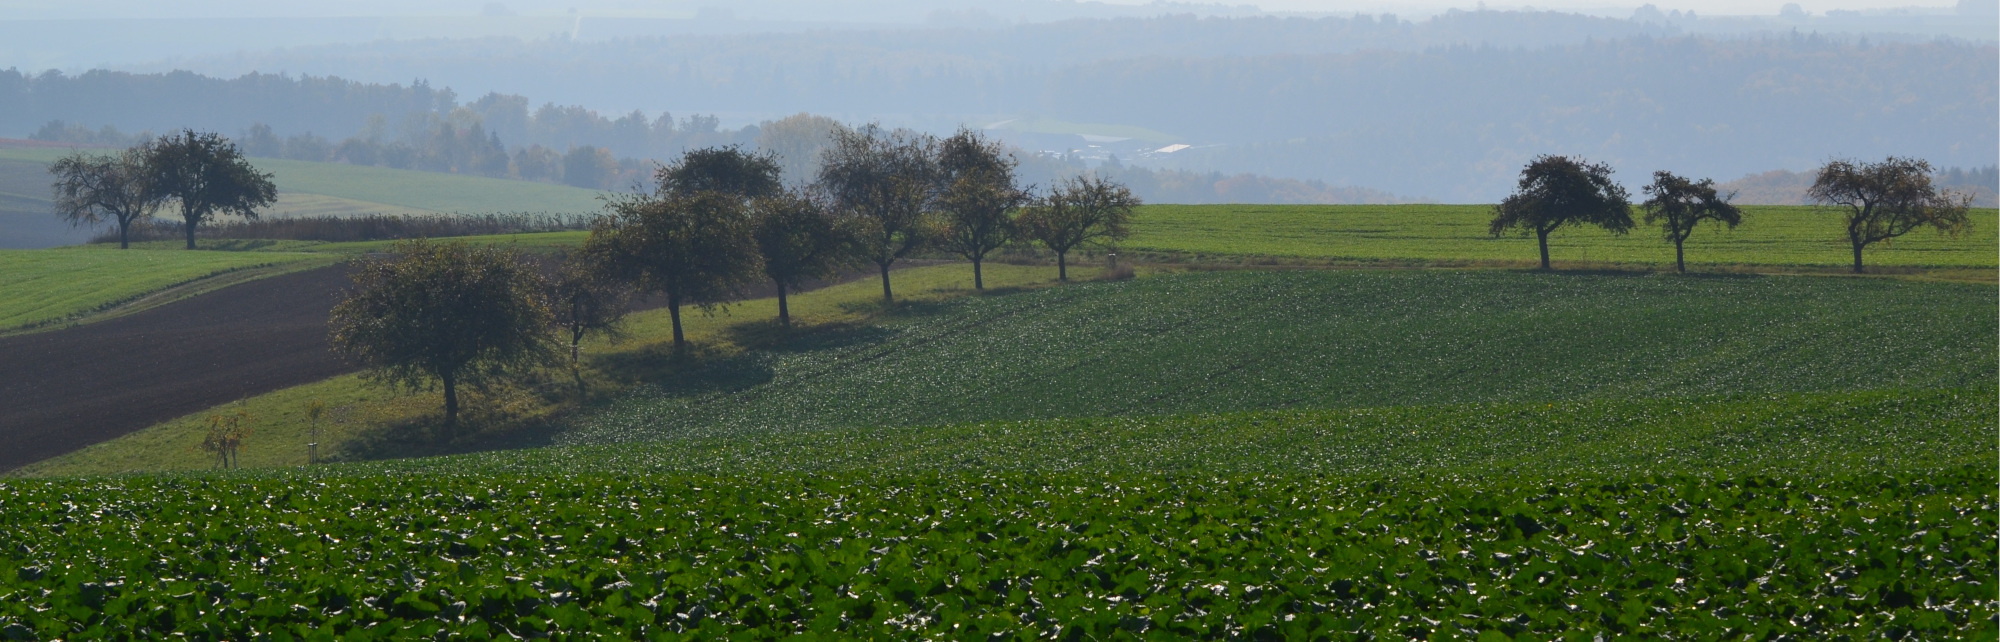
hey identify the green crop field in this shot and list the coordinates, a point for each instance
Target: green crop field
(1412, 454)
(43, 287)
(1272, 525)
(1457, 234)
(1230, 341)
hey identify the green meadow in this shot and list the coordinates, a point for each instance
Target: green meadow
(1770, 236)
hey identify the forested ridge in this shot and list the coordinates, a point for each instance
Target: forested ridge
(1348, 102)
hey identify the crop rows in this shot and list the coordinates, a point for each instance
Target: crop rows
(1782, 435)
(1226, 342)
(997, 557)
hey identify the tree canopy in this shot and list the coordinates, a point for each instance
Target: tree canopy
(446, 313)
(92, 189)
(1079, 211)
(728, 170)
(1885, 200)
(1677, 205)
(1555, 191)
(207, 175)
(799, 239)
(888, 181)
(694, 248)
(979, 200)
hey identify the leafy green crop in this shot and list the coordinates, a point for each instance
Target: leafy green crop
(1786, 435)
(1238, 341)
(998, 557)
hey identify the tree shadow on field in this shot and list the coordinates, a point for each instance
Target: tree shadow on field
(696, 370)
(768, 336)
(492, 420)
(1569, 272)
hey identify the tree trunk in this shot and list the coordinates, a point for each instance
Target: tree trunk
(886, 295)
(1062, 266)
(784, 313)
(576, 361)
(450, 400)
(1680, 257)
(190, 233)
(124, 234)
(674, 311)
(1857, 257)
(977, 282)
(1543, 236)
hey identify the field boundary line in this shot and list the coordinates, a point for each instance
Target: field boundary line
(197, 286)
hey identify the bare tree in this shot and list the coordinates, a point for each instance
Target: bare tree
(208, 176)
(1889, 199)
(979, 200)
(800, 239)
(695, 248)
(92, 189)
(1678, 205)
(888, 181)
(1555, 191)
(1080, 211)
(444, 312)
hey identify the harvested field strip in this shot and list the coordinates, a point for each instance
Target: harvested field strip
(363, 413)
(72, 387)
(44, 287)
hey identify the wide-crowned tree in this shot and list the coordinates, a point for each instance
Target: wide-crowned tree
(585, 300)
(444, 313)
(1677, 205)
(208, 176)
(1885, 200)
(93, 189)
(694, 248)
(1555, 191)
(1080, 211)
(979, 200)
(888, 181)
(800, 239)
(729, 170)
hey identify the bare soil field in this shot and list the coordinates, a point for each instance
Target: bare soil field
(70, 388)
(66, 389)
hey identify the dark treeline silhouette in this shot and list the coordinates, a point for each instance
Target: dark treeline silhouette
(371, 227)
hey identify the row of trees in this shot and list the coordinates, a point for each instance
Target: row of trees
(719, 221)
(1880, 201)
(722, 219)
(204, 173)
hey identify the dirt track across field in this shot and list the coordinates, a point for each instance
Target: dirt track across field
(66, 389)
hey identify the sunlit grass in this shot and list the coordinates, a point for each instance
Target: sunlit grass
(42, 287)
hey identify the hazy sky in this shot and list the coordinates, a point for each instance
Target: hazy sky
(301, 8)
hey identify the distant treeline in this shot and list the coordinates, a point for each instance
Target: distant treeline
(372, 227)
(443, 145)
(1450, 123)
(1785, 187)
